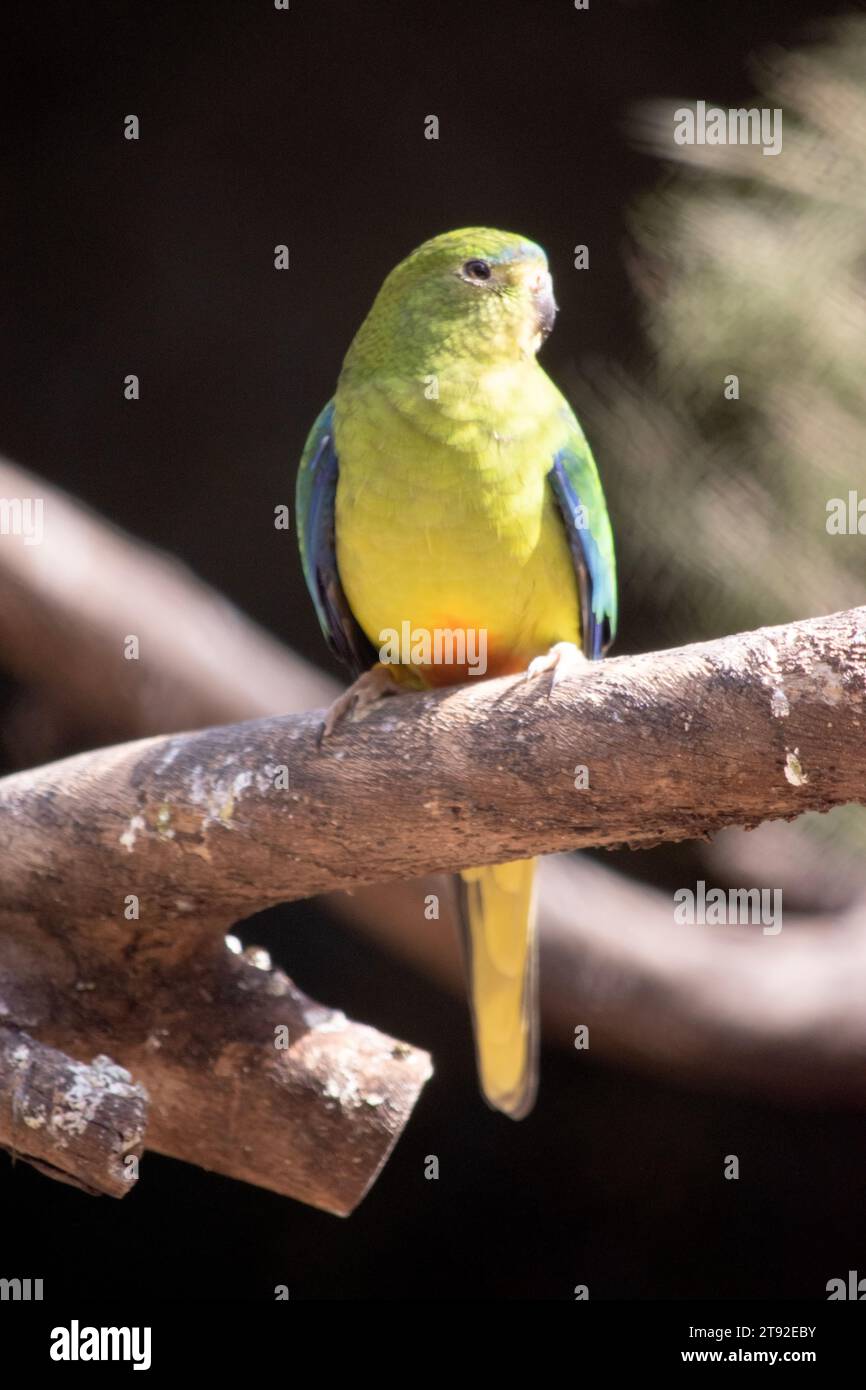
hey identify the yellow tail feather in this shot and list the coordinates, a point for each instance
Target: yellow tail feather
(497, 908)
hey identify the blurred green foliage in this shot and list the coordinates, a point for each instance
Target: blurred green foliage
(748, 265)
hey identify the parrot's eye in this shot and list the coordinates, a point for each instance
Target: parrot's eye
(477, 270)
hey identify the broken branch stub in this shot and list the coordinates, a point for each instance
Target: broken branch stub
(77, 1122)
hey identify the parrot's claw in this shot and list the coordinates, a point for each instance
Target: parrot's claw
(358, 700)
(564, 659)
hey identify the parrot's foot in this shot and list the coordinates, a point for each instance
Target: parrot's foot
(564, 659)
(358, 700)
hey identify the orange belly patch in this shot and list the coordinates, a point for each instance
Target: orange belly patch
(498, 664)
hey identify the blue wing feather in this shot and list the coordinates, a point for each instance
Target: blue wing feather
(315, 503)
(577, 489)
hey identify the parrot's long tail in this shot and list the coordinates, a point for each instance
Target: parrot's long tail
(497, 912)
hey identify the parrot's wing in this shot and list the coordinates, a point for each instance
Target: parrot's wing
(577, 489)
(314, 510)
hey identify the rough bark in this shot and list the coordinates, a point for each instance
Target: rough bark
(675, 745)
(82, 1124)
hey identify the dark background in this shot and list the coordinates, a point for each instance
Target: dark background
(156, 257)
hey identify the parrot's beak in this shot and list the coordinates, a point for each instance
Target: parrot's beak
(545, 304)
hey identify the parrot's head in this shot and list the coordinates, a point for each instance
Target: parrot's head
(476, 293)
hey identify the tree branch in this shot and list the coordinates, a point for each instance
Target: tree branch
(675, 745)
(246, 1075)
(70, 602)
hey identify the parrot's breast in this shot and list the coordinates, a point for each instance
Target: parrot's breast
(451, 550)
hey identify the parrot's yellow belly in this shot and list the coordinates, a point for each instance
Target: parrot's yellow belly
(434, 540)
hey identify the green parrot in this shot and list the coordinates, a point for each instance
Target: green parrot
(448, 491)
